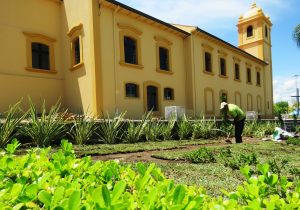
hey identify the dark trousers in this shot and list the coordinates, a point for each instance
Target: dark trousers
(239, 127)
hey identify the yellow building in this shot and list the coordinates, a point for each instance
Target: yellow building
(103, 56)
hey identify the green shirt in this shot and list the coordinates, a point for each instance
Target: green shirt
(236, 112)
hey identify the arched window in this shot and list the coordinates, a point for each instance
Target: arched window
(249, 31)
(266, 31)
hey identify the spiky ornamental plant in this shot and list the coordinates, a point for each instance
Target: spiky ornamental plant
(48, 127)
(83, 129)
(184, 128)
(110, 130)
(8, 126)
(135, 130)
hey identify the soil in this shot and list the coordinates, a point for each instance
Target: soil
(146, 156)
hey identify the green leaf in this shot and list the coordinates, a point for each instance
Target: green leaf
(32, 190)
(45, 198)
(106, 196)
(118, 190)
(273, 179)
(16, 190)
(58, 195)
(179, 194)
(74, 200)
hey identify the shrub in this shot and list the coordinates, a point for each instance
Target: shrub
(184, 129)
(135, 130)
(153, 130)
(10, 123)
(110, 130)
(83, 129)
(40, 180)
(47, 128)
(293, 141)
(204, 129)
(202, 155)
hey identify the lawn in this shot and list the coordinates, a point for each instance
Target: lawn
(214, 176)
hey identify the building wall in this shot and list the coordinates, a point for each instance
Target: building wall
(116, 75)
(79, 92)
(210, 85)
(37, 17)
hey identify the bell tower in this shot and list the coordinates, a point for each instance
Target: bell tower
(254, 29)
(254, 37)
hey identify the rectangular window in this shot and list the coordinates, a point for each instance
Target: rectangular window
(131, 90)
(248, 75)
(40, 56)
(168, 94)
(130, 50)
(222, 67)
(164, 58)
(237, 71)
(258, 78)
(207, 56)
(76, 44)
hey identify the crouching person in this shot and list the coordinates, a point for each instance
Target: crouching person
(239, 119)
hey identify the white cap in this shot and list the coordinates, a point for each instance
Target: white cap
(223, 104)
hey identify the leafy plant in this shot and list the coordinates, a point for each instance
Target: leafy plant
(202, 155)
(236, 161)
(135, 130)
(110, 130)
(204, 129)
(44, 180)
(184, 128)
(153, 130)
(167, 129)
(10, 123)
(293, 141)
(48, 127)
(83, 129)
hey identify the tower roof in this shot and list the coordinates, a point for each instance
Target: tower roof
(253, 13)
(254, 10)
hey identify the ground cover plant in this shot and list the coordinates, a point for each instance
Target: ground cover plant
(283, 159)
(41, 180)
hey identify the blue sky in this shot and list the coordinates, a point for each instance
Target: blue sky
(219, 17)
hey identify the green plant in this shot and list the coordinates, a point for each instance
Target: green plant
(236, 161)
(184, 128)
(83, 129)
(167, 129)
(135, 130)
(293, 141)
(48, 127)
(202, 155)
(110, 130)
(44, 180)
(10, 123)
(153, 130)
(204, 128)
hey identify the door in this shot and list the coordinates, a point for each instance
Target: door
(152, 98)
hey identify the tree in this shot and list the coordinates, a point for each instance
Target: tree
(296, 35)
(281, 107)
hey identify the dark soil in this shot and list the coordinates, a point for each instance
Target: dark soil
(146, 156)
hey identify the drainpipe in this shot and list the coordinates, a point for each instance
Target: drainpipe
(194, 73)
(115, 57)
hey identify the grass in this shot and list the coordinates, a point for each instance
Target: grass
(106, 149)
(215, 176)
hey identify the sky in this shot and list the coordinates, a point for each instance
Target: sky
(219, 17)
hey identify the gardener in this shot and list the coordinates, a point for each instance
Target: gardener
(238, 116)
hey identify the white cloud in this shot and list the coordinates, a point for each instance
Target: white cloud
(205, 14)
(284, 88)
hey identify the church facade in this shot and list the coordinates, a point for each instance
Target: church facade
(103, 56)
